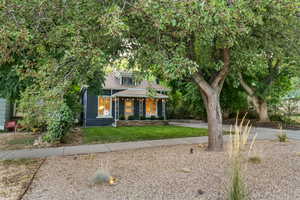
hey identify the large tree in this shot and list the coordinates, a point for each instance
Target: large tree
(49, 49)
(269, 58)
(196, 39)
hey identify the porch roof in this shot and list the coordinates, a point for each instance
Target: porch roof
(143, 93)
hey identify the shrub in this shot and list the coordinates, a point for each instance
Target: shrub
(153, 117)
(142, 118)
(161, 118)
(122, 117)
(132, 117)
(59, 124)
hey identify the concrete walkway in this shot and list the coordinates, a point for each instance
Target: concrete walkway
(263, 133)
(96, 148)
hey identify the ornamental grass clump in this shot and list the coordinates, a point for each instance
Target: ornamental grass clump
(282, 137)
(237, 154)
(102, 176)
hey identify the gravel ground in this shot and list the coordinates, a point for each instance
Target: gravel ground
(156, 174)
(15, 175)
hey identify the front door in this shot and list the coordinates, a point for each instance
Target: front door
(128, 108)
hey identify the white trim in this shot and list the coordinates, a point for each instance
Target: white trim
(104, 117)
(141, 96)
(110, 112)
(124, 88)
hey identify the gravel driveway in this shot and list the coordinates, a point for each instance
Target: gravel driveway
(156, 174)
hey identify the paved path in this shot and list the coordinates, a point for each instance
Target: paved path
(96, 148)
(263, 133)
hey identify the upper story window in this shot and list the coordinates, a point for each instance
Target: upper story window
(127, 81)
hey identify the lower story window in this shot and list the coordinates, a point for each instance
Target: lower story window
(151, 108)
(104, 106)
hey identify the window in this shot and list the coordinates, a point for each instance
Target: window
(104, 106)
(151, 108)
(128, 108)
(127, 81)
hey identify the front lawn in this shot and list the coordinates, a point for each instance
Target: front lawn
(125, 134)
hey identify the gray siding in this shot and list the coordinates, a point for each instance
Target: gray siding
(159, 108)
(92, 110)
(4, 112)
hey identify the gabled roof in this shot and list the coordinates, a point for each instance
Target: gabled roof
(143, 93)
(112, 81)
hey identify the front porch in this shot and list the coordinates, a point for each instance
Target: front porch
(136, 105)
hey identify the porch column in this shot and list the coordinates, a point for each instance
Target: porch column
(141, 108)
(117, 108)
(164, 108)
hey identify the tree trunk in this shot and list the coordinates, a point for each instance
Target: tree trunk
(261, 108)
(260, 105)
(214, 120)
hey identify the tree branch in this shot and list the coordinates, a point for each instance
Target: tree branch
(219, 80)
(246, 87)
(201, 82)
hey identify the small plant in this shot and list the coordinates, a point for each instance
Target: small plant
(132, 117)
(122, 117)
(153, 117)
(102, 176)
(237, 144)
(282, 137)
(255, 159)
(161, 118)
(142, 118)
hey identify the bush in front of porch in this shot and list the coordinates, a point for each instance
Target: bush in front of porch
(138, 133)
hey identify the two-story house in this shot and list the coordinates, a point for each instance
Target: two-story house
(123, 98)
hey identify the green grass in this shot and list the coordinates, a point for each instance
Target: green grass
(125, 134)
(22, 141)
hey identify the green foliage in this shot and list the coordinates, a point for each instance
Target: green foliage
(122, 117)
(269, 57)
(153, 117)
(283, 119)
(50, 49)
(142, 118)
(59, 124)
(238, 189)
(132, 117)
(185, 101)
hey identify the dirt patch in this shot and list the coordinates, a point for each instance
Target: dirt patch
(20, 140)
(169, 173)
(15, 176)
